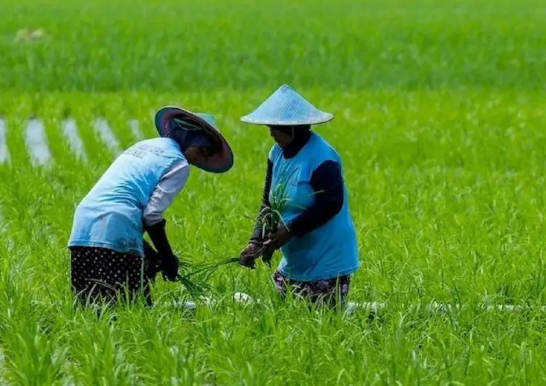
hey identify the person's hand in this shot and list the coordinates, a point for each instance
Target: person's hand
(276, 240)
(152, 261)
(248, 255)
(152, 268)
(169, 267)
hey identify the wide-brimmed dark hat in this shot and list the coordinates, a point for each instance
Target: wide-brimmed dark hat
(287, 108)
(222, 160)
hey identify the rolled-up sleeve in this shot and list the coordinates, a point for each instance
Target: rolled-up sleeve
(163, 195)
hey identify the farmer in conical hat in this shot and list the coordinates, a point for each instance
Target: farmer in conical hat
(304, 182)
(107, 246)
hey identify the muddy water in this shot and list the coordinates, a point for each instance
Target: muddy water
(36, 142)
(4, 154)
(70, 131)
(3, 225)
(106, 135)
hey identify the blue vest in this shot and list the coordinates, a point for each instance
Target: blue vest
(110, 216)
(329, 251)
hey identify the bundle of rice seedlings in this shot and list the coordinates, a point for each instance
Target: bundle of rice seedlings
(197, 277)
(271, 216)
(194, 278)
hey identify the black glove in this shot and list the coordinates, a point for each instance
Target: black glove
(169, 266)
(169, 262)
(152, 261)
(248, 256)
(159, 238)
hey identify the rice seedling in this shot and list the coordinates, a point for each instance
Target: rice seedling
(271, 215)
(196, 279)
(193, 277)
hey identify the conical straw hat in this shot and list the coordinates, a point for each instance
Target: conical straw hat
(286, 108)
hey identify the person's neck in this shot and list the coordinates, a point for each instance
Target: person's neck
(294, 147)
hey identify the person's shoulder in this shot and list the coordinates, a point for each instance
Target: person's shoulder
(319, 139)
(182, 163)
(164, 143)
(146, 143)
(156, 141)
(181, 168)
(323, 144)
(148, 140)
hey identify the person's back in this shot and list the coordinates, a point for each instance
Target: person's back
(109, 258)
(110, 216)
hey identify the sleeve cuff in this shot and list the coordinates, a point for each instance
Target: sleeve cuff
(257, 235)
(150, 221)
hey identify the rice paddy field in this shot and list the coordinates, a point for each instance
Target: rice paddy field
(441, 123)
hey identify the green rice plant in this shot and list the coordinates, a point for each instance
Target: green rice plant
(195, 278)
(440, 122)
(270, 216)
(448, 203)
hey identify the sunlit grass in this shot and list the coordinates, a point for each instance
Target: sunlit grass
(446, 190)
(440, 123)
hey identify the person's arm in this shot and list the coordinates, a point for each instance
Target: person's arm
(164, 193)
(248, 255)
(327, 183)
(257, 236)
(162, 197)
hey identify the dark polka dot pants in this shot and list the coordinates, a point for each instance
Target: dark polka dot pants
(330, 292)
(100, 274)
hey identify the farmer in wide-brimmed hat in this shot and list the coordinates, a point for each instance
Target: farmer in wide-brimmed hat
(108, 252)
(304, 182)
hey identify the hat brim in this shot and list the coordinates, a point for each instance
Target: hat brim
(285, 107)
(284, 122)
(222, 160)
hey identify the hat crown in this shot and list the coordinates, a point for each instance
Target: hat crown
(209, 118)
(186, 123)
(286, 107)
(222, 160)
